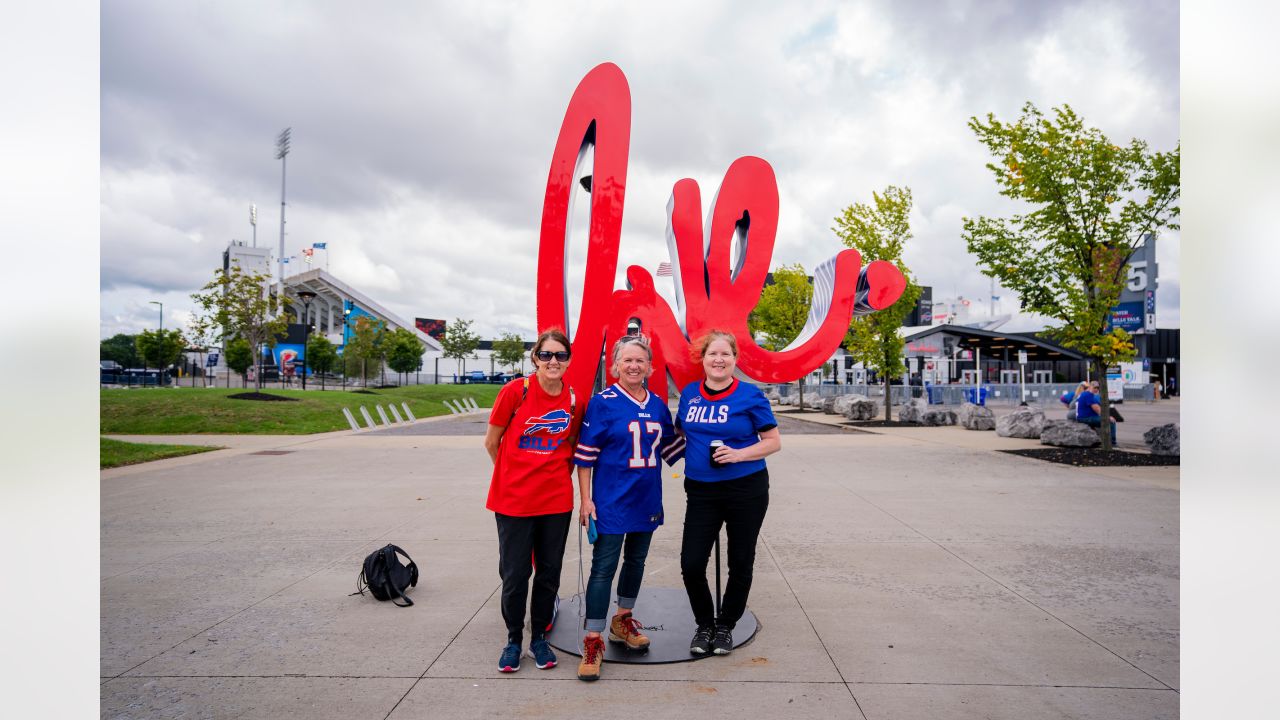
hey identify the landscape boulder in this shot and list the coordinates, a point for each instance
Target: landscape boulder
(1065, 433)
(829, 405)
(1163, 439)
(860, 408)
(913, 411)
(1024, 422)
(976, 417)
(938, 417)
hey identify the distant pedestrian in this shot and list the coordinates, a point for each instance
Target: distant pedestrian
(1069, 399)
(1089, 410)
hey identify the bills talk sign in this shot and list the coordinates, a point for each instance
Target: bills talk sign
(713, 291)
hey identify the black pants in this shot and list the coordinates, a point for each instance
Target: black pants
(542, 537)
(739, 505)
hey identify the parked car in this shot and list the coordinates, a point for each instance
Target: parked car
(109, 372)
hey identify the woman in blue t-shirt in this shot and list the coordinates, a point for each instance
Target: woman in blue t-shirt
(729, 429)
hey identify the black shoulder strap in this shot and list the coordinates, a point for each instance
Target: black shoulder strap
(388, 586)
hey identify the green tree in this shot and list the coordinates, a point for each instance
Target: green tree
(363, 350)
(239, 357)
(508, 350)
(404, 351)
(160, 348)
(1091, 204)
(459, 342)
(239, 304)
(120, 347)
(321, 355)
(878, 232)
(782, 311)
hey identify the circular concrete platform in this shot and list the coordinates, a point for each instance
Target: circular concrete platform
(666, 618)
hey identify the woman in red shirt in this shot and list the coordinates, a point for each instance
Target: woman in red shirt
(532, 432)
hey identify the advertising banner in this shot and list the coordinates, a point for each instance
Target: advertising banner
(1126, 316)
(430, 326)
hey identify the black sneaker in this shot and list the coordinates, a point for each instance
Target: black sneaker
(701, 644)
(722, 642)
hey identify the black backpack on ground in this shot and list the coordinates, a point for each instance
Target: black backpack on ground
(386, 577)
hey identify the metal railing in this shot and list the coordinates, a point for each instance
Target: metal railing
(1043, 394)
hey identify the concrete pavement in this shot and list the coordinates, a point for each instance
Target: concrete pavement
(911, 573)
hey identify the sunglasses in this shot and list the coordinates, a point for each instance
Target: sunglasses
(546, 355)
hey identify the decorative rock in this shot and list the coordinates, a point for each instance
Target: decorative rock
(913, 412)
(976, 417)
(1023, 422)
(1065, 433)
(937, 417)
(841, 405)
(829, 405)
(1164, 439)
(860, 408)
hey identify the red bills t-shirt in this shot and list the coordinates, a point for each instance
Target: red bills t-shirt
(535, 457)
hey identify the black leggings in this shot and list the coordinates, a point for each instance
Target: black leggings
(739, 505)
(542, 537)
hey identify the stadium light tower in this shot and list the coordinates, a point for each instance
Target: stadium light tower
(253, 220)
(282, 153)
(157, 302)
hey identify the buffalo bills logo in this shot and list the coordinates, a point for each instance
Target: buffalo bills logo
(554, 423)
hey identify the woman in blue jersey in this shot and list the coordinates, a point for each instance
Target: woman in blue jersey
(729, 429)
(625, 430)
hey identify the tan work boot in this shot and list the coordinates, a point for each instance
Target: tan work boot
(626, 629)
(592, 658)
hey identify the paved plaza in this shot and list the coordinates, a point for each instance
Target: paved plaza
(903, 573)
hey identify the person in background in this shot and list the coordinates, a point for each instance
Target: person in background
(533, 428)
(1069, 399)
(1089, 410)
(729, 429)
(625, 430)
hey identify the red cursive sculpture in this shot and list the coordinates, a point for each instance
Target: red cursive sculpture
(712, 292)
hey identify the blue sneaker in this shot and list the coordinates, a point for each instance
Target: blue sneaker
(510, 660)
(541, 653)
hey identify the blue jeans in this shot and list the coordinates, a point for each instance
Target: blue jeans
(1096, 422)
(604, 563)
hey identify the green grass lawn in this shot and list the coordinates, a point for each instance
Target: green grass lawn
(114, 453)
(165, 411)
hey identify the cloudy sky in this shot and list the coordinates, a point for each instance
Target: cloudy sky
(422, 132)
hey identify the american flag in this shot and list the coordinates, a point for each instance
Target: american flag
(664, 269)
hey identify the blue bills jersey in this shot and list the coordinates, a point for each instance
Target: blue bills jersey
(736, 417)
(621, 440)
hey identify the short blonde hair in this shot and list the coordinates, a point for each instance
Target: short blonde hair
(626, 340)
